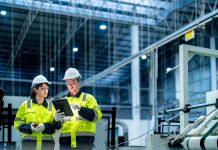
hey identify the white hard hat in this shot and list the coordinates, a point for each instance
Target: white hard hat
(39, 79)
(72, 73)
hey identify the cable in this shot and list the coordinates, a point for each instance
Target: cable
(145, 132)
(157, 145)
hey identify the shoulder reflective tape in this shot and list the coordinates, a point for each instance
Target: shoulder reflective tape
(84, 96)
(49, 105)
(29, 103)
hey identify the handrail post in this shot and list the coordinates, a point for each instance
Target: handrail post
(113, 126)
(9, 122)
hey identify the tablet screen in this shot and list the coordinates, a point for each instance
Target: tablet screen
(63, 105)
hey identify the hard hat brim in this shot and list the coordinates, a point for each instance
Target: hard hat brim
(39, 83)
(71, 78)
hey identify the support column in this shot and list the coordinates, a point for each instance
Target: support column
(153, 75)
(213, 77)
(177, 84)
(183, 62)
(135, 77)
(213, 65)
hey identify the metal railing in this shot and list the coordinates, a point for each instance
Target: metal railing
(185, 109)
(105, 135)
(6, 123)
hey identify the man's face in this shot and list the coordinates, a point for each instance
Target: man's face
(73, 85)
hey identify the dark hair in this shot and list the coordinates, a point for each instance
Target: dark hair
(33, 93)
(2, 92)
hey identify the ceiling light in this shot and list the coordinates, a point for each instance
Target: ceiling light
(103, 27)
(3, 12)
(143, 57)
(168, 69)
(75, 49)
(52, 69)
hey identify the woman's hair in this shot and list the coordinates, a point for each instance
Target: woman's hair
(33, 93)
(2, 92)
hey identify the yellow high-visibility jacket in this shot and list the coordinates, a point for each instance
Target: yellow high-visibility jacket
(87, 125)
(31, 112)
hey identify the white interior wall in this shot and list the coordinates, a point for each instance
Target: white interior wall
(16, 101)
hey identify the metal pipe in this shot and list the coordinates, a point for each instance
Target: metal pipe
(189, 107)
(125, 131)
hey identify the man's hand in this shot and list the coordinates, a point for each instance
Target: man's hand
(59, 115)
(40, 127)
(75, 106)
(33, 127)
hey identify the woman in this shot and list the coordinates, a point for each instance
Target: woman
(37, 118)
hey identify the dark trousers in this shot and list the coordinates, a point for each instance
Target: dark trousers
(31, 145)
(82, 142)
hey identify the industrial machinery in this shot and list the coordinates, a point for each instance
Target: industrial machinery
(203, 133)
(200, 135)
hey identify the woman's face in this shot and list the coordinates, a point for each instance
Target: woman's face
(73, 85)
(42, 91)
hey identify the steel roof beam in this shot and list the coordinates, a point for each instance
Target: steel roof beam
(77, 11)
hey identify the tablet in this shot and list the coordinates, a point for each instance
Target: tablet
(63, 105)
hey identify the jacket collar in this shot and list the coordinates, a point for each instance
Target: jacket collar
(45, 104)
(77, 95)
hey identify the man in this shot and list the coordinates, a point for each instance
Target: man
(78, 132)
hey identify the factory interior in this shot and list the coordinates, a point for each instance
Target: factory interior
(150, 64)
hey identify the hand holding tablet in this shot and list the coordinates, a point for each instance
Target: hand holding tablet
(63, 106)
